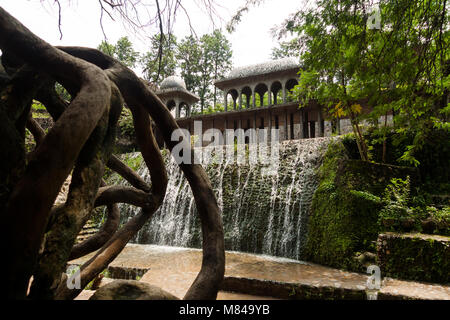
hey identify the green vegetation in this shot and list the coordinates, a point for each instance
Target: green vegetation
(415, 257)
(345, 207)
(200, 61)
(399, 65)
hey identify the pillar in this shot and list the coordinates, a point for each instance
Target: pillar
(302, 125)
(269, 95)
(240, 99)
(225, 100)
(321, 122)
(253, 98)
(284, 91)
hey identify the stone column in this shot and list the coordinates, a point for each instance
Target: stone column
(253, 98)
(225, 100)
(321, 122)
(240, 98)
(177, 110)
(269, 95)
(284, 91)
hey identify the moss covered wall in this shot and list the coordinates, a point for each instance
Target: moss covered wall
(414, 256)
(344, 210)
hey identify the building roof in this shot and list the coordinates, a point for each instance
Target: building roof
(173, 82)
(279, 65)
(175, 86)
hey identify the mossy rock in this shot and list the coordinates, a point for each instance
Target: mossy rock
(427, 257)
(345, 208)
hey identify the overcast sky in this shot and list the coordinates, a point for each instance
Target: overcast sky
(251, 42)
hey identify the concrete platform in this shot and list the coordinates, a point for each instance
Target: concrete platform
(258, 276)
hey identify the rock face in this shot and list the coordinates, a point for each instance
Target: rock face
(414, 256)
(345, 208)
(131, 290)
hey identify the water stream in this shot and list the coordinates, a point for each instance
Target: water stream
(261, 213)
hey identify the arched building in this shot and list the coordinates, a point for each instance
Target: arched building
(255, 97)
(176, 97)
(258, 96)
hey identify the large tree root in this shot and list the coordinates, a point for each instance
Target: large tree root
(81, 140)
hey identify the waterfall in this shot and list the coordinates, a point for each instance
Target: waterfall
(261, 213)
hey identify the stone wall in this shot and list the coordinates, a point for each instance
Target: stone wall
(414, 256)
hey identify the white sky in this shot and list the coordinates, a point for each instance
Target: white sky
(251, 42)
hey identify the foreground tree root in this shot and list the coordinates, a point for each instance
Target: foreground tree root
(40, 237)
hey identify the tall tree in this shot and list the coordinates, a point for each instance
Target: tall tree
(399, 62)
(122, 51)
(215, 62)
(160, 62)
(286, 49)
(188, 56)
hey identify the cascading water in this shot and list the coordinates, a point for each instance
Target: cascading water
(261, 213)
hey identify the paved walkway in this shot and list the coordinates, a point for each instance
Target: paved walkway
(255, 276)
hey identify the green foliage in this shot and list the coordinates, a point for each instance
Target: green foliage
(160, 62)
(122, 51)
(105, 273)
(125, 123)
(188, 56)
(345, 208)
(401, 67)
(214, 61)
(427, 258)
(286, 49)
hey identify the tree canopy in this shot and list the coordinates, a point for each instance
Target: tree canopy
(399, 63)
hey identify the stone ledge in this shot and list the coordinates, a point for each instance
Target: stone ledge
(414, 256)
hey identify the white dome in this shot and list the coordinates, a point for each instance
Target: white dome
(173, 82)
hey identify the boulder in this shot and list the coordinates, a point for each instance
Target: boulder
(131, 290)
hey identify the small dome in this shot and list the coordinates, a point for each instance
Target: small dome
(173, 82)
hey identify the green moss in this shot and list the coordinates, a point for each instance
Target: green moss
(345, 208)
(419, 257)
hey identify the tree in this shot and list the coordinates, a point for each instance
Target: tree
(402, 65)
(286, 49)
(202, 61)
(160, 62)
(122, 51)
(39, 237)
(188, 56)
(215, 61)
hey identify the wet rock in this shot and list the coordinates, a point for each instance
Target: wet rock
(131, 290)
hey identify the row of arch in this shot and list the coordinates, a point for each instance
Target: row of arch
(182, 109)
(268, 93)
